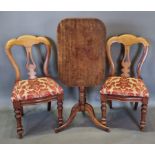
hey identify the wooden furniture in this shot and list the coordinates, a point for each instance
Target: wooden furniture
(81, 47)
(124, 87)
(34, 90)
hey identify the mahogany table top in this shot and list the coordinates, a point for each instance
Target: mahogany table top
(81, 51)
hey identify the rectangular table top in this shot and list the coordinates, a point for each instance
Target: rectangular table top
(81, 51)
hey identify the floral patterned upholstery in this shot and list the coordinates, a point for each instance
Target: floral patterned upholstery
(35, 88)
(124, 86)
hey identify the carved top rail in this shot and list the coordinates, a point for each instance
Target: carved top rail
(127, 40)
(28, 41)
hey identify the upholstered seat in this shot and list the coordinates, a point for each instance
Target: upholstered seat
(125, 87)
(35, 88)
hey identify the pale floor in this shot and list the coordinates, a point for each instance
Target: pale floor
(39, 126)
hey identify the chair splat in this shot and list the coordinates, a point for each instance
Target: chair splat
(30, 64)
(126, 63)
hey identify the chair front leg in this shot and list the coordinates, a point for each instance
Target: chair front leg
(18, 115)
(60, 109)
(103, 109)
(143, 113)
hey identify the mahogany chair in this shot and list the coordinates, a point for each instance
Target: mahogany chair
(35, 89)
(124, 87)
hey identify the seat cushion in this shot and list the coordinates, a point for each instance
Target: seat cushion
(125, 87)
(35, 88)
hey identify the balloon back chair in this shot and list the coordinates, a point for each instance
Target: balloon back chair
(35, 89)
(124, 87)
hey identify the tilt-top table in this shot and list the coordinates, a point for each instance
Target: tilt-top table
(81, 54)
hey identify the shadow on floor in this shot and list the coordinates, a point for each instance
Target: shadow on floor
(38, 122)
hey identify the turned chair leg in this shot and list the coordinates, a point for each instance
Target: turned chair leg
(110, 104)
(103, 109)
(18, 116)
(136, 106)
(49, 106)
(60, 109)
(143, 113)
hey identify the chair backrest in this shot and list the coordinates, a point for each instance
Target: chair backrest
(127, 40)
(81, 51)
(27, 41)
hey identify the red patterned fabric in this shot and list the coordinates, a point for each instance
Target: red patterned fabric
(35, 88)
(125, 87)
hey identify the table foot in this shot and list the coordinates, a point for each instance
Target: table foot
(74, 110)
(89, 109)
(91, 114)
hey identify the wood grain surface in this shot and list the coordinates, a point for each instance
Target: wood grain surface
(81, 51)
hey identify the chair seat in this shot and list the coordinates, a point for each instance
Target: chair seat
(125, 87)
(35, 88)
